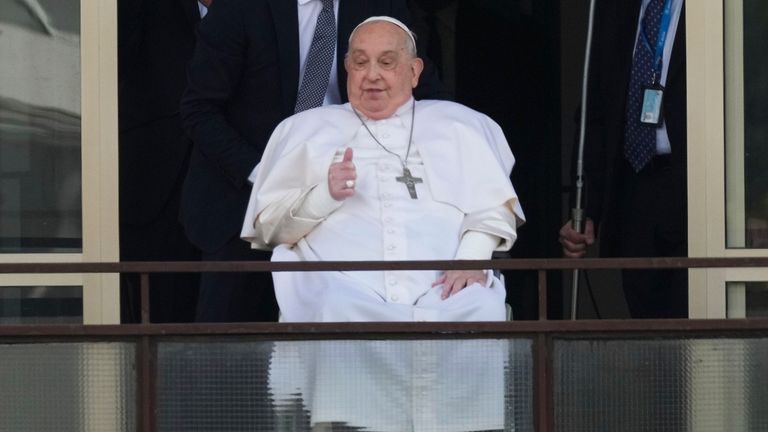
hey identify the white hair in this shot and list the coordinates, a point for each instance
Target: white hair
(410, 43)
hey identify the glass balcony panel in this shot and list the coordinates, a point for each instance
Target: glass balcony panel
(346, 385)
(661, 385)
(55, 387)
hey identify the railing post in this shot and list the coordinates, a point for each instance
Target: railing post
(144, 298)
(542, 390)
(146, 372)
(542, 294)
(147, 390)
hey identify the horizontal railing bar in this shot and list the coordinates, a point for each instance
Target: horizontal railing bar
(388, 330)
(265, 266)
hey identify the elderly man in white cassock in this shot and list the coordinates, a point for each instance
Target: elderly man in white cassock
(385, 177)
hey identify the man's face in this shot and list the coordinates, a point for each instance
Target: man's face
(381, 72)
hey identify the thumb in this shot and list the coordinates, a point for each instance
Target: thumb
(347, 155)
(589, 231)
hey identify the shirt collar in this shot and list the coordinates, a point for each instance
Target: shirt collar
(303, 2)
(404, 108)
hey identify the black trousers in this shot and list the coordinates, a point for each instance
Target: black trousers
(654, 224)
(236, 297)
(173, 296)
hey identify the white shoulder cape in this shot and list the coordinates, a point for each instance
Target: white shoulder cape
(466, 157)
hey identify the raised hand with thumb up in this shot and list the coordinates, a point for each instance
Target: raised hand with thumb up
(342, 176)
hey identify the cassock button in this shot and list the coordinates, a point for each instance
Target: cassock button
(387, 204)
(393, 282)
(394, 297)
(391, 247)
(390, 230)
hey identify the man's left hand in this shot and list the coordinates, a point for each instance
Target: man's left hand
(454, 281)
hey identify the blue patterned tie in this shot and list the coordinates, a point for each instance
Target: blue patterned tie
(639, 138)
(317, 71)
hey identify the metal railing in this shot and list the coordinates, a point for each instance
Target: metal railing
(541, 332)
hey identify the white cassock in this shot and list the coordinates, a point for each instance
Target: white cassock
(464, 161)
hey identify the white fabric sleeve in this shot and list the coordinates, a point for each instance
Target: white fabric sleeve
(287, 220)
(476, 245)
(486, 231)
(499, 222)
(317, 204)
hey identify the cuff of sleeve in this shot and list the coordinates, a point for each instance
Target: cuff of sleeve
(477, 245)
(317, 204)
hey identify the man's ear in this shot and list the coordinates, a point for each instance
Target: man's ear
(417, 66)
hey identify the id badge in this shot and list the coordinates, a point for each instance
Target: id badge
(651, 110)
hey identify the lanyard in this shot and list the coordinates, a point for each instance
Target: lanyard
(658, 59)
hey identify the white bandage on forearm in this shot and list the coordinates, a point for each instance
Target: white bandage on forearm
(477, 245)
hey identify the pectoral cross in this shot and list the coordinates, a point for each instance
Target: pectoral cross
(409, 181)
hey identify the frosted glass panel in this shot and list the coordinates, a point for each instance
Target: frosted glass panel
(656, 385)
(424, 385)
(68, 387)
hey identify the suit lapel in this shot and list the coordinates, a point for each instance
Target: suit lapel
(624, 15)
(632, 20)
(286, 22)
(677, 58)
(191, 12)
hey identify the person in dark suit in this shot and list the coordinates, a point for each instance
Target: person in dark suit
(638, 210)
(155, 43)
(243, 80)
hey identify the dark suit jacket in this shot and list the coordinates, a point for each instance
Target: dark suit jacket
(243, 81)
(155, 42)
(613, 42)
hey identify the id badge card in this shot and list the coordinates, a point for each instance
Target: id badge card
(650, 112)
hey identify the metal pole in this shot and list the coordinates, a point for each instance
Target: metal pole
(577, 213)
